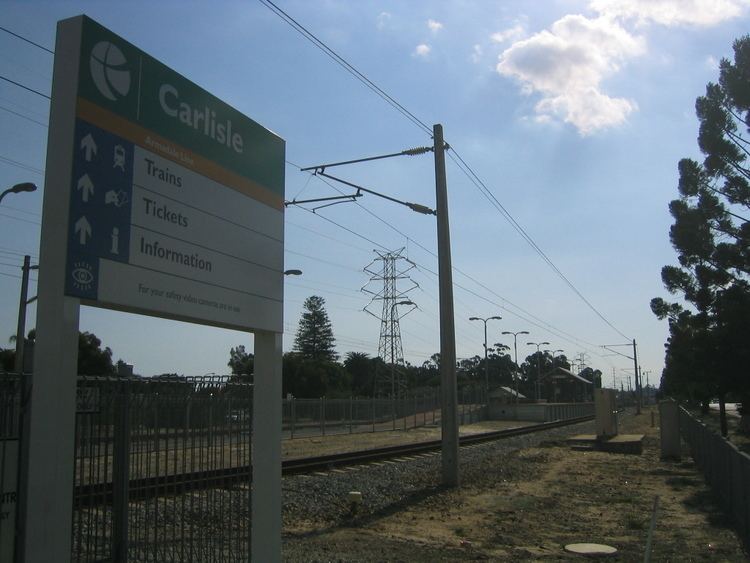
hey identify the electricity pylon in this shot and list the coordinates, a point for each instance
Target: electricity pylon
(389, 268)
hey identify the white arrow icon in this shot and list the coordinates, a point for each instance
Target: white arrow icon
(83, 229)
(89, 147)
(85, 187)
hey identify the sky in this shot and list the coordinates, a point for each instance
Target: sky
(573, 114)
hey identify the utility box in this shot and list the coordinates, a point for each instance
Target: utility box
(669, 429)
(605, 408)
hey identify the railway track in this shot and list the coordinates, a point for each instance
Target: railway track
(144, 488)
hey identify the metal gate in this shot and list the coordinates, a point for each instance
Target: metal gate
(162, 470)
(10, 434)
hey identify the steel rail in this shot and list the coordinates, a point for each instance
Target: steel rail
(98, 494)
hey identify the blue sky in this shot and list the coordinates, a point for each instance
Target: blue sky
(573, 113)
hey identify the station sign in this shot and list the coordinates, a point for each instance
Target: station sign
(176, 199)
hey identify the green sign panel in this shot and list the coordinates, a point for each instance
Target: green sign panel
(137, 87)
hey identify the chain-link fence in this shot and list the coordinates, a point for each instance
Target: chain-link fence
(727, 470)
(324, 416)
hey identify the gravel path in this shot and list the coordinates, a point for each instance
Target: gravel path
(319, 502)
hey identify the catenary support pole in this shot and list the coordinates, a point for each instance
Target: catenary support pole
(637, 380)
(449, 418)
(21, 328)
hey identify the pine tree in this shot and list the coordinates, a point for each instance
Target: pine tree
(314, 339)
(711, 234)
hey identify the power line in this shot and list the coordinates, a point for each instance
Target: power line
(540, 324)
(21, 165)
(22, 116)
(557, 332)
(479, 184)
(307, 34)
(22, 38)
(37, 92)
(465, 168)
(20, 219)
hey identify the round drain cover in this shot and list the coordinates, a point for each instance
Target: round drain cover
(591, 549)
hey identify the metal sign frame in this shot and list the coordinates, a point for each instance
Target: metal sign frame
(122, 168)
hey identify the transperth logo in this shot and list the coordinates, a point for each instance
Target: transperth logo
(109, 71)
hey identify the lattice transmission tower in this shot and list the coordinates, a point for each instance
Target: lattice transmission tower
(388, 269)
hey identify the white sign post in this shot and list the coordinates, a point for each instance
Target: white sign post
(160, 199)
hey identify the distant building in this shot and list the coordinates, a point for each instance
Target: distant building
(560, 385)
(507, 395)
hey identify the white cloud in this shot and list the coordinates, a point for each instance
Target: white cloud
(422, 50)
(671, 12)
(476, 53)
(382, 20)
(566, 65)
(434, 26)
(510, 34)
(712, 62)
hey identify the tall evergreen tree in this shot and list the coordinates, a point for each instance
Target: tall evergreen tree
(314, 339)
(711, 235)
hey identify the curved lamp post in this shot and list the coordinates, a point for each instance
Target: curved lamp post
(538, 366)
(515, 354)
(18, 188)
(486, 365)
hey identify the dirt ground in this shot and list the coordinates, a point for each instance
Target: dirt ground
(547, 497)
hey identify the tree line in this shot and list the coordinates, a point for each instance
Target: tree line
(707, 353)
(313, 369)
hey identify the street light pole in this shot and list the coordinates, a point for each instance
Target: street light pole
(637, 379)
(23, 302)
(393, 356)
(515, 353)
(538, 366)
(486, 365)
(18, 188)
(552, 353)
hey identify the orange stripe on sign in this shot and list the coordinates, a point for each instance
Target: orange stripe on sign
(176, 153)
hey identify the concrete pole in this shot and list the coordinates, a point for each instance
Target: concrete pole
(449, 399)
(637, 380)
(515, 360)
(21, 327)
(486, 365)
(266, 454)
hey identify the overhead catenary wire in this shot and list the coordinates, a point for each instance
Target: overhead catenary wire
(37, 92)
(557, 332)
(333, 55)
(464, 166)
(26, 39)
(466, 169)
(406, 113)
(22, 116)
(477, 182)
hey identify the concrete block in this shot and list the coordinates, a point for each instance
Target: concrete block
(669, 429)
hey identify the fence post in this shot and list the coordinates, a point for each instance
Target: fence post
(323, 415)
(294, 417)
(121, 475)
(415, 410)
(351, 413)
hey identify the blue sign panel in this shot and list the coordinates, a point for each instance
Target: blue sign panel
(101, 199)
